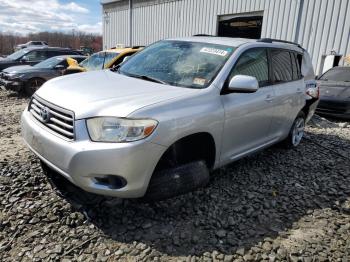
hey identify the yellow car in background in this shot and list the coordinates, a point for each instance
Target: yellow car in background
(101, 60)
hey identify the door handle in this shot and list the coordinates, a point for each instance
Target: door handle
(299, 90)
(269, 98)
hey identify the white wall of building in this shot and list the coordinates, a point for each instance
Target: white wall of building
(324, 24)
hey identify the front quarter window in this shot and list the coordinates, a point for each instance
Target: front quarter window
(253, 63)
(178, 63)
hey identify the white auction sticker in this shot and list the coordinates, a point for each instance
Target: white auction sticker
(214, 51)
(199, 81)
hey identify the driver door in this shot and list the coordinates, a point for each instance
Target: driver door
(248, 116)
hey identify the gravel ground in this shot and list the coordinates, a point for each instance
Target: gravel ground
(277, 205)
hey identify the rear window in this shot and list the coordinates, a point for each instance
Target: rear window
(337, 74)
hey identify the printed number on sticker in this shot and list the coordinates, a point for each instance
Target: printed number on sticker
(214, 51)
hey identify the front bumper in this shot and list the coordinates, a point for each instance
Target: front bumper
(82, 161)
(15, 85)
(334, 108)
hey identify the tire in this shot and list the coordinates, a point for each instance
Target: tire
(32, 85)
(296, 132)
(177, 181)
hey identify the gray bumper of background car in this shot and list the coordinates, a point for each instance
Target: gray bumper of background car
(334, 108)
(82, 161)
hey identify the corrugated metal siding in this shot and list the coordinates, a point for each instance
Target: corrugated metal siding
(324, 25)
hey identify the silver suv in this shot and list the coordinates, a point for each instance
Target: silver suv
(156, 125)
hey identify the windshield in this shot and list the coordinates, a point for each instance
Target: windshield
(337, 74)
(98, 61)
(17, 55)
(179, 63)
(49, 63)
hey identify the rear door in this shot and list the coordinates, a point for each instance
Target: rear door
(248, 115)
(289, 88)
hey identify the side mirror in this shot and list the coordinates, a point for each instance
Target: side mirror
(24, 59)
(243, 84)
(60, 67)
(126, 58)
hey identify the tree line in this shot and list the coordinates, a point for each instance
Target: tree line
(57, 39)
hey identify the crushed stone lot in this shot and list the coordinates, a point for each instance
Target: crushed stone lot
(276, 205)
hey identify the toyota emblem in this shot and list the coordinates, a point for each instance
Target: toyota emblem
(45, 114)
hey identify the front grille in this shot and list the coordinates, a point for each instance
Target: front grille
(331, 110)
(336, 107)
(57, 119)
(4, 76)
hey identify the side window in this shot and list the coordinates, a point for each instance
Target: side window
(281, 66)
(53, 53)
(253, 63)
(64, 63)
(36, 56)
(68, 52)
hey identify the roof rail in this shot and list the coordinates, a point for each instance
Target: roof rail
(270, 40)
(203, 35)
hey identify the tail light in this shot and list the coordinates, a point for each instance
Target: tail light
(313, 91)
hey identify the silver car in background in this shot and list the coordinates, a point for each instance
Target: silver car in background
(156, 125)
(30, 44)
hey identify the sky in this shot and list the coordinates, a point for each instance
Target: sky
(30, 16)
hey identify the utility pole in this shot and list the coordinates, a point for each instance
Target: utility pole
(300, 13)
(130, 23)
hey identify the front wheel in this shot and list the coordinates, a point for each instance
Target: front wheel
(32, 85)
(296, 133)
(177, 181)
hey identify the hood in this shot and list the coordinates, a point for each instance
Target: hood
(335, 89)
(106, 93)
(17, 69)
(6, 61)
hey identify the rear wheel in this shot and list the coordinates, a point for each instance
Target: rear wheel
(296, 133)
(32, 85)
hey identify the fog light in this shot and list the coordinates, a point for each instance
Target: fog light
(111, 181)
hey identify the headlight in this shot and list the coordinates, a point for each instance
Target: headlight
(112, 129)
(14, 76)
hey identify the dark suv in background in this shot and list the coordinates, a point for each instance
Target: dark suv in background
(32, 56)
(29, 78)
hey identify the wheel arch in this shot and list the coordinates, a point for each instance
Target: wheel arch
(188, 148)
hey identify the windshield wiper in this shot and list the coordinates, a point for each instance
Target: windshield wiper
(144, 77)
(115, 68)
(148, 78)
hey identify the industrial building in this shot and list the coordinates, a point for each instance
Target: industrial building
(320, 26)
